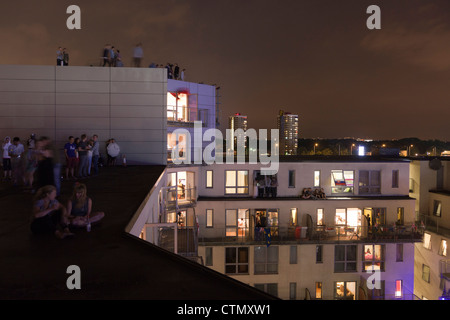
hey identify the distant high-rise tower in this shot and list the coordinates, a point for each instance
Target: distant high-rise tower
(237, 121)
(287, 124)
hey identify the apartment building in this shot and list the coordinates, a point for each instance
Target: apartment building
(287, 123)
(357, 228)
(430, 185)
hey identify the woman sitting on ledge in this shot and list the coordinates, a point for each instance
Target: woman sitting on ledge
(79, 208)
(49, 216)
(319, 193)
(306, 193)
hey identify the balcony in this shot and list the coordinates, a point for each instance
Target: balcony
(316, 234)
(186, 116)
(176, 198)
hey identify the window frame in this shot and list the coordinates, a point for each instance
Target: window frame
(209, 213)
(371, 187)
(291, 179)
(336, 189)
(443, 249)
(426, 275)
(437, 208)
(266, 263)
(209, 179)
(373, 262)
(395, 179)
(237, 263)
(346, 262)
(345, 286)
(236, 185)
(317, 179)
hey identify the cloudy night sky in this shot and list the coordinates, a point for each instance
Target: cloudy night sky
(315, 58)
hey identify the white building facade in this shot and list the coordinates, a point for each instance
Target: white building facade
(322, 248)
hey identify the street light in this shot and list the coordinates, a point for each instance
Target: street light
(351, 148)
(315, 145)
(409, 149)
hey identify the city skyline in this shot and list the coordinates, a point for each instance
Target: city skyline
(315, 59)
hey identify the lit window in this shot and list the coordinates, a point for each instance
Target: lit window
(427, 241)
(177, 106)
(373, 257)
(443, 248)
(437, 207)
(400, 216)
(341, 181)
(237, 222)
(345, 290)
(398, 288)
(231, 223)
(209, 178)
(318, 290)
(320, 217)
(316, 178)
(209, 218)
(236, 182)
(293, 217)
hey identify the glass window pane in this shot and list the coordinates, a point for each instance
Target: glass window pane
(339, 253)
(316, 178)
(230, 255)
(230, 190)
(230, 179)
(231, 217)
(243, 255)
(243, 268)
(209, 217)
(260, 255)
(209, 179)
(272, 254)
(363, 178)
(348, 175)
(293, 255)
(242, 180)
(351, 253)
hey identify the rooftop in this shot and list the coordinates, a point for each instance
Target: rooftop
(113, 263)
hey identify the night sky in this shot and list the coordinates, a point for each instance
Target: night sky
(314, 58)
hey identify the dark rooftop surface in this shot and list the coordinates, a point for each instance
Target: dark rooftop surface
(113, 264)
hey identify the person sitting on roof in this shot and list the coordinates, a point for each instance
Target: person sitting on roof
(79, 207)
(49, 216)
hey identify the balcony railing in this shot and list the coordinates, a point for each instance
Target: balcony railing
(185, 116)
(433, 224)
(173, 238)
(174, 198)
(315, 234)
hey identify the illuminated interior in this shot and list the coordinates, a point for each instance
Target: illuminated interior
(341, 181)
(345, 290)
(177, 106)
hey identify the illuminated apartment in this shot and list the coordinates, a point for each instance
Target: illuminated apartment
(287, 125)
(430, 185)
(287, 245)
(189, 103)
(237, 121)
